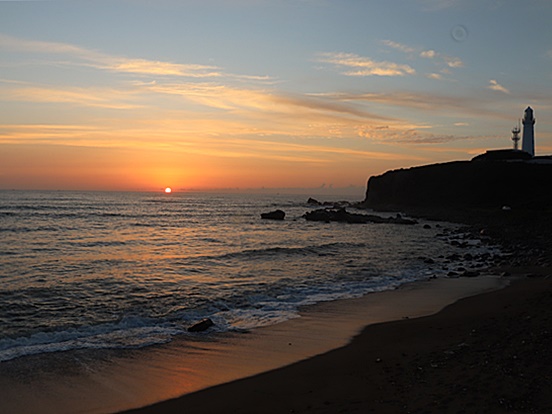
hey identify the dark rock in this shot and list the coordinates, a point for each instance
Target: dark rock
(343, 216)
(471, 273)
(429, 261)
(274, 215)
(201, 326)
(313, 202)
(318, 215)
(427, 226)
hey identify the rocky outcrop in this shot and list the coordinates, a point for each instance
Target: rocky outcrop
(463, 184)
(343, 216)
(274, 215)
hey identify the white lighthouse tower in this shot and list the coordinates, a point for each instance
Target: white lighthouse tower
(528, 139)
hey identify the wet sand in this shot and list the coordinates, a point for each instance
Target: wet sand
(488, 353)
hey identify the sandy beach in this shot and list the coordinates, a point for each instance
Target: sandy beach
(484, 354)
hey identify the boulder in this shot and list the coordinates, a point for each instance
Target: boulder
(313, 202)
(274, 215)
(201, 326)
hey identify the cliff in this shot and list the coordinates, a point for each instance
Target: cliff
(463, 185)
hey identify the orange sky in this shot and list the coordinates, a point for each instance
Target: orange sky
(213, 95)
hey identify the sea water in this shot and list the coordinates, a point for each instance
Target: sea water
(107, 270)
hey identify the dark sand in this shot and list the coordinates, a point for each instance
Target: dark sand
(490, 353)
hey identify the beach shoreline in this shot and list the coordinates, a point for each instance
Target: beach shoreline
(484, 353)
(472, 356)
(110, 382)
(214, 372)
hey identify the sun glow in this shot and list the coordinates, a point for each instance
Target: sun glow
(168, 190)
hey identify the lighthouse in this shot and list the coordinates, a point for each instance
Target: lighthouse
(528, 139)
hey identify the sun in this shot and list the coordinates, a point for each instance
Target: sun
(168, 190)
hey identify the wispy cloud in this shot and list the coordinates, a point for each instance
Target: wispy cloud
(495, 86)
(365, 66)
(86, 57)
(406, 135)
(430, 54)
(436, 76)
(399, 46)
(453, 62)
(444, 62)
(91, 97)
(472, 106)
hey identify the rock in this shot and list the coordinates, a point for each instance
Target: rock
(313, 202)
(427, 226)
(343, 216)
(201, 326)
(274, 215)
(318, 215)
(470, 273)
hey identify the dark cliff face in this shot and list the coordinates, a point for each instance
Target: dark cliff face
(463, 184)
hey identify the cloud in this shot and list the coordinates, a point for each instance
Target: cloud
(16, 44)
(91, 97)
(364, 66)
(436, 76)
(453, 62)
(149, 67)
(91, 58)
(430, 54)
(495, 86)
(399, 46)
(443, 62)
(405, 136)
(473, 105)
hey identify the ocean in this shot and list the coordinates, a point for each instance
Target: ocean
(119, 271)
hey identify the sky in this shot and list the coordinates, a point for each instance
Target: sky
(250, 94)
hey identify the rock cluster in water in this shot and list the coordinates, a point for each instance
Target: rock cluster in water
(343, 216)
(337, 211)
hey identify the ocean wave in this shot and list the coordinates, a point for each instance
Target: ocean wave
(313, 249)
(131, 332)
(242, 312)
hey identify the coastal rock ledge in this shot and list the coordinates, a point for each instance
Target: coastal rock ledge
(462, 184)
